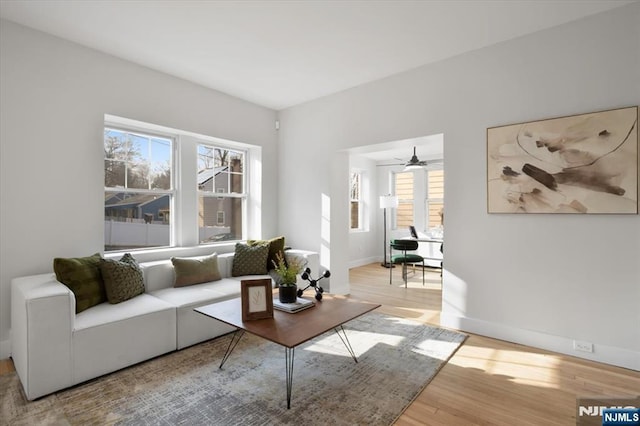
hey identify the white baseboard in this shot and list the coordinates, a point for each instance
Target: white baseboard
(377, 259)
(367, 260)
(5, 349)
(601, 353)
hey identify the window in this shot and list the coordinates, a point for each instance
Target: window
(435, 199)
(356, 203)
(221, 193)
(403, 184)
(138, 181)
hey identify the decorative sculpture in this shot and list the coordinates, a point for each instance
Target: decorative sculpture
(313, 283)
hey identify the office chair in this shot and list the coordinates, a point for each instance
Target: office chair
(405, 246)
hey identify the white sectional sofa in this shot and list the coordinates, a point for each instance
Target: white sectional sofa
(54, 348)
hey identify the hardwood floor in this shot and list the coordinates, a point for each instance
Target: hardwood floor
(487, 381)
(6, 366)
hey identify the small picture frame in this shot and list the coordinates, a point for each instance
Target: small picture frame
(257, 299)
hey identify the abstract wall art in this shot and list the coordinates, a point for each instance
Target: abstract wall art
(585, 163)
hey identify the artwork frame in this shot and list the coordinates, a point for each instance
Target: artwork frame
(582, 164)
(256, 299)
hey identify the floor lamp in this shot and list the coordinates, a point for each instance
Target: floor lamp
(387, 202)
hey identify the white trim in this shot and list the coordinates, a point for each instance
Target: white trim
(224, 218)
(359, 200)
(184, 207)
(167, 131)
(601, 353)
(366, 261)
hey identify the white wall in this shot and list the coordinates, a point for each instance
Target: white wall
(54, 97)
(541, 280)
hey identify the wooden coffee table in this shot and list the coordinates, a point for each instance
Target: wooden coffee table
(290, 330)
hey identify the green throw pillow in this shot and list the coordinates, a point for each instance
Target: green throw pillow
(276, 245)
(82, 276)
(250, 260)
(195, 270)
(122, 278)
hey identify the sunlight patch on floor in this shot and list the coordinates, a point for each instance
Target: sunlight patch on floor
(361, 341)
(433, 348)
(543, 370)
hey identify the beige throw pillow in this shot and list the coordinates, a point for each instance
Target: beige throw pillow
(196, 270)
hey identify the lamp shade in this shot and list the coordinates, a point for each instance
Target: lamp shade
(387, 201)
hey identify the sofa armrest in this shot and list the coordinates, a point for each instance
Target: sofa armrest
(310, 259)
(42, 318)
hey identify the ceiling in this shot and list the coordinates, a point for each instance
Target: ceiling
(283, 53)
(428, 148)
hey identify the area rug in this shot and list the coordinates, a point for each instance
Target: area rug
(396, 359)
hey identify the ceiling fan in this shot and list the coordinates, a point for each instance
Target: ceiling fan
(414, 163)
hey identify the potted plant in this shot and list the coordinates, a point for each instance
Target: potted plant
(287, 276)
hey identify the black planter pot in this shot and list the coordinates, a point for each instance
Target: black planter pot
(288, 294)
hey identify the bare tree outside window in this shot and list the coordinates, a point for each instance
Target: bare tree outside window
(138, 189)
(356, 200)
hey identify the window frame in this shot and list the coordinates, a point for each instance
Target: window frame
(184, 206)
(429, 199)
(221, 195)
(412, 201)
(171, 192)
(359, 200)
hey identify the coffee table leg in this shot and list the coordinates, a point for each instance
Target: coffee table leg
(345, 340)
(235, 338)
(288, 356)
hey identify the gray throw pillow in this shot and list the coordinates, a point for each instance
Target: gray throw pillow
(250, 260)
(82, 276)
(123, 278)
(195, 270)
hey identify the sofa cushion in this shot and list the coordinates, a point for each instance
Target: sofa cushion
(106, 314)
(276, 247)
(250, 260)
(110, 337)
(82, 276)
(199, 294)
(122, 278)
(195, 270)
(158, 274)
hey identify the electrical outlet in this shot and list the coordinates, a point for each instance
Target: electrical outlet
(582, 346)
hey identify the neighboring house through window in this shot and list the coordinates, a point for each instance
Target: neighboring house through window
(408, 190)
(149, 200)
(138, 182)
(403, 189)
(435, 198)
(221, 193)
